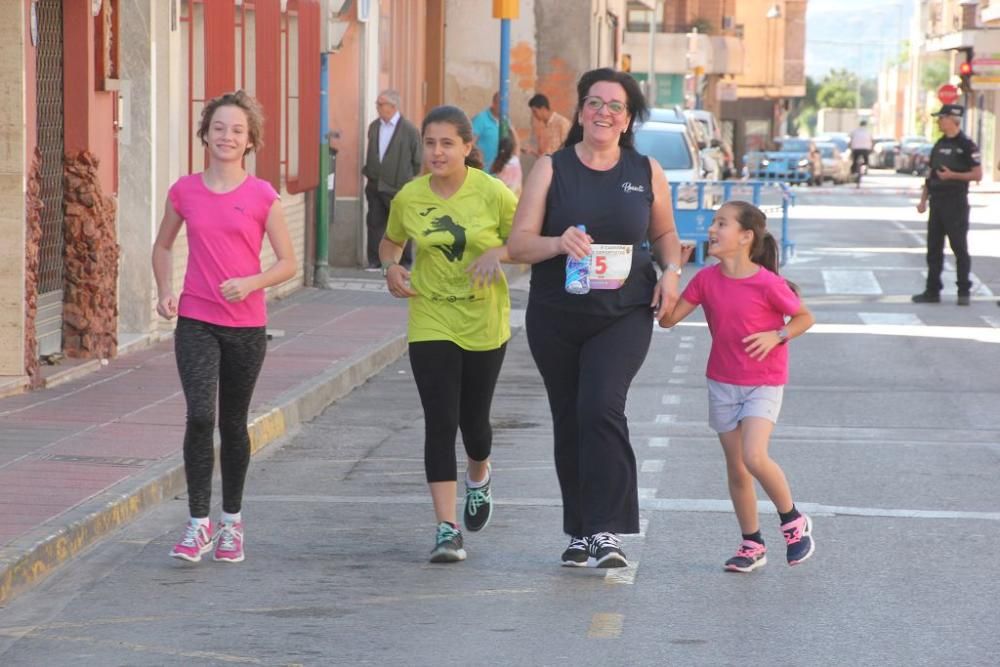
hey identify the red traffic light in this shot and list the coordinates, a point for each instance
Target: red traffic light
(965, 69)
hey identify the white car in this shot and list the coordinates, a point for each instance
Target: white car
(672, 146)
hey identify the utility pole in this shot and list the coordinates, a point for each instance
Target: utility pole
(505, 10)
(651, 77)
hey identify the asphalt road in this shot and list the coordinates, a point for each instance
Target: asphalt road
(889, 434)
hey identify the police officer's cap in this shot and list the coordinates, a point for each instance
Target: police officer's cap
(953, 110)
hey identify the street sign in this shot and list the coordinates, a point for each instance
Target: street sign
(947, 93)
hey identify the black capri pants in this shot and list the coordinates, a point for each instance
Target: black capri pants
(456, 390)
(213, 361)
(588, 363)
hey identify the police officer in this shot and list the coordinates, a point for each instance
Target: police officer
(954, 162)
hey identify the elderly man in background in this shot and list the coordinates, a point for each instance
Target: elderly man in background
(394, 157)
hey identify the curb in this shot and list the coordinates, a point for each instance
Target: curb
(28, 560)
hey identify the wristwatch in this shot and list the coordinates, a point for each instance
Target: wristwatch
(385, 267)
(782, 336)
(672, 268)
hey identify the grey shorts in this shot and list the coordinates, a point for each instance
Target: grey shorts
(728, 404)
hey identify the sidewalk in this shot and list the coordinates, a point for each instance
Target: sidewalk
(83, 458)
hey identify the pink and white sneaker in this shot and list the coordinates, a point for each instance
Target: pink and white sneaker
(798, 537)
(196, 542)
(748, 558)
(229, 543)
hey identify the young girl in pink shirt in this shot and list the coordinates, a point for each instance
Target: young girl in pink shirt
(220, 339)
(746, 303)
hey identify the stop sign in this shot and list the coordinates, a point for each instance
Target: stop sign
(948, 94)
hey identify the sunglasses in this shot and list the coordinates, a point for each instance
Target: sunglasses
(595, 104)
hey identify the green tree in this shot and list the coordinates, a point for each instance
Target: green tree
(838, 90)
(934, 74)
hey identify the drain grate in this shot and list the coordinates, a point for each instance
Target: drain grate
(115, 461)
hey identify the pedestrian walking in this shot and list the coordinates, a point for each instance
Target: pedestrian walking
(549, 128)
(393, 159)
(486, 128)
(954, 162)
(507, 165)
(458, 217)
(220, 339)
(588, 347)
(746, 303)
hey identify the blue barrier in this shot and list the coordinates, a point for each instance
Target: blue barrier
(693, 221)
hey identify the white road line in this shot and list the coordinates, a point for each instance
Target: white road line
(659, 442)
(623, 575)
(681, 358)
(685, 346)
(675, 381)
(991, 320)
(643, 526)
(670, 399)
(679, 370)
(649, 503)
(687, 339)
(909, 319)
(652, 465)
(851, 282)
(665, 419)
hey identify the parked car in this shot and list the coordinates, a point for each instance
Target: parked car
(835, 167)
(709, 158)
(717, 148)
(904, 158)
(922, 160)
(883, 154)
(672, 147)
(790, 163)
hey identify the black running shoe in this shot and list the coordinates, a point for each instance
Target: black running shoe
(926, 297)
(447, 544)
(606, 550)
(576, 553)
(963, 298)
(478, 506)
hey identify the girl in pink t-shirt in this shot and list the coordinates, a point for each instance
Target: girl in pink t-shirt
(220, 340)
(745, 304)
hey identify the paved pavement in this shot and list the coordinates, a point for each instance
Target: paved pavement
(889, 434)
(83, 458)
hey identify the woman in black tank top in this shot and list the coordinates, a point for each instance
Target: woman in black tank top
(588, 347)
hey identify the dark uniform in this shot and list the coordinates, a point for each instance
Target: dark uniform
(949, 211)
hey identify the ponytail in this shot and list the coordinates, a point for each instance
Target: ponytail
(764, 251)
(474, 158)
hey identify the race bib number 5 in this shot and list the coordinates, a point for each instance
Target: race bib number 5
(609, 265)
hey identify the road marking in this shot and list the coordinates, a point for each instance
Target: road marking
(851, 282)
(643, 526)
(908, 319)
(647, 501)
(675, 381)
(665, 419)
(623, 575)
(977, 334)
(606, 626)
(682, 358)
(658, 442)
(992, 321)
(687, 339)
(686, 346)
(670, 399)
(679, 370)
(652, 465)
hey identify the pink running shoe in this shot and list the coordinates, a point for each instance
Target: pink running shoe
(197, 541)
(798, 537)
(748, 558)
(229, 543)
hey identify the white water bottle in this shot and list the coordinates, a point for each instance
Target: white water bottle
(578, 272)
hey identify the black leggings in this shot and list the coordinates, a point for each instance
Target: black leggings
(213, 359)
(587, 363)
(456, 389)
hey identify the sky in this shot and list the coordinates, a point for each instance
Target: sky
(834, 29)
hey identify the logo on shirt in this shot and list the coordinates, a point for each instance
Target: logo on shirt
(455, 250)
(627, 187)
